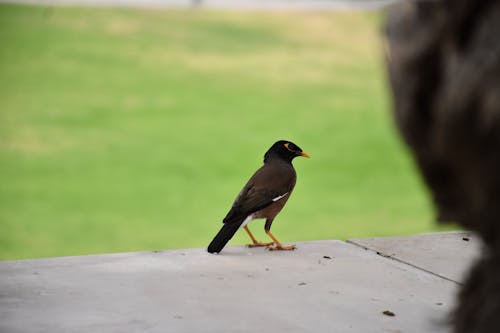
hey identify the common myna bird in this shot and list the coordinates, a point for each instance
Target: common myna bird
(263, 197)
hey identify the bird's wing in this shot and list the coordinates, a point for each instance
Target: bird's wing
(260, 191)
(251, 200)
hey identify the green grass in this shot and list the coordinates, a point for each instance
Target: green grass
(124, 130)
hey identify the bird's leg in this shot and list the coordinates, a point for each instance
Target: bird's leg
(278, 245)
(255, 242)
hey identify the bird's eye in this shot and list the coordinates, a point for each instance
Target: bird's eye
(291, 147)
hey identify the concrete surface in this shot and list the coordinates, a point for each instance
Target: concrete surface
(444, 254)
(223, 4)
(323, 286)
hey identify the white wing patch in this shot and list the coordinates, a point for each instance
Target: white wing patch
(280, 196)
(247, 220)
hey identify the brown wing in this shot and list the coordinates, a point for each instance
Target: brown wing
(268, 184)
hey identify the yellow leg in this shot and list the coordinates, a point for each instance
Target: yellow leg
(278, 245)
(255, 243)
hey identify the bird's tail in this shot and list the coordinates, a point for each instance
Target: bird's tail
(223, 236)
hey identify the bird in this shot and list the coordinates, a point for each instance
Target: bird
(263, 197)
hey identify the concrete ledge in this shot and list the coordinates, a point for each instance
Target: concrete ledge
(297, 5)
(446, 255)
(324, 286)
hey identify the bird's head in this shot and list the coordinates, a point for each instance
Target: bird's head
(285, 150)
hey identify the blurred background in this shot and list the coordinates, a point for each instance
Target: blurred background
(125, 129)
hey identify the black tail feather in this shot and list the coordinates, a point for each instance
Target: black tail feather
(223, 236)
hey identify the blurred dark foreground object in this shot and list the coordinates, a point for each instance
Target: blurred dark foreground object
(444, 64)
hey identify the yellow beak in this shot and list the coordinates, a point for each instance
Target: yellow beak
(305, 154)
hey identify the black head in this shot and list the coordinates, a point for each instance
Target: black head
(285, 150)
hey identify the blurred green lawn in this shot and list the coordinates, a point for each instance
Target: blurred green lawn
(125, 130)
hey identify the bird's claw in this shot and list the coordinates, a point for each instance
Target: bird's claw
(281, 247)
(260, 244)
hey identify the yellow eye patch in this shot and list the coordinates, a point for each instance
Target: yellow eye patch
(287, 147)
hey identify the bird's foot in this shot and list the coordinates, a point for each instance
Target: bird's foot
(280, 247)
(259, 244)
